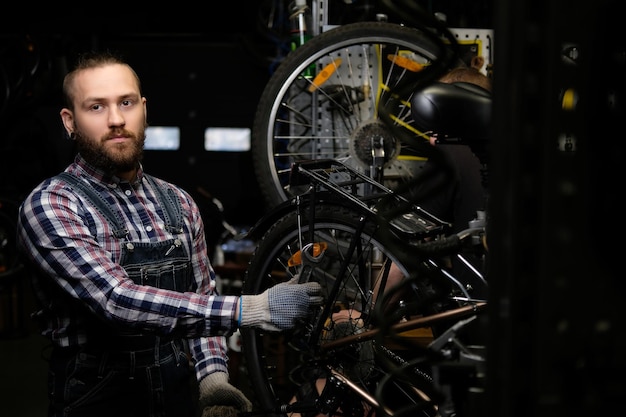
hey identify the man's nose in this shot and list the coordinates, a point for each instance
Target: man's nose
(116, 118)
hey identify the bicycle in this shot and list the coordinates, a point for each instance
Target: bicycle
(339, 239)
(347, 229)
(335, 113)
(344, 221)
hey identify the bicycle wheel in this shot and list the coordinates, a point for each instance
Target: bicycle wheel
(323, 102)
(350, 264)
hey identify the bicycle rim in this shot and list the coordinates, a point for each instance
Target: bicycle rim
(323, 102)
(283, 366)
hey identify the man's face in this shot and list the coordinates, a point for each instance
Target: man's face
(109, 119)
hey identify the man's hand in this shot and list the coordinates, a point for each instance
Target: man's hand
(218, 398)
(278, 308)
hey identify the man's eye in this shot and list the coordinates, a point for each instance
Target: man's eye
(96, 107)
(126, 103)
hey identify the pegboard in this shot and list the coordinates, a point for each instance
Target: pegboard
(476, 42)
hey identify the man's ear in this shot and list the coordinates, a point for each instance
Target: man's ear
(67, 117)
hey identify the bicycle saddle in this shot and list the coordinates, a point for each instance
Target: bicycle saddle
(458, 110)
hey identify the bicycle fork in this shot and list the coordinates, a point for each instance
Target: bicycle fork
(312, 253)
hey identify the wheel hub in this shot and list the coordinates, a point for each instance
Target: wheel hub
(372, 139)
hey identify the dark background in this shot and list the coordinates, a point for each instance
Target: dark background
(557, 333)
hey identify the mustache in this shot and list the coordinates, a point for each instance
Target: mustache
(119, 132)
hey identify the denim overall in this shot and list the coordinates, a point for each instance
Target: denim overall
(125, 373)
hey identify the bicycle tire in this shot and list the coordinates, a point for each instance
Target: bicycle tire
(278, 364)
(339, 118)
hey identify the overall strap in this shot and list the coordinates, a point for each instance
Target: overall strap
(98, 202)
(172, 210)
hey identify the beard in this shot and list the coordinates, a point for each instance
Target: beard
(112, 158)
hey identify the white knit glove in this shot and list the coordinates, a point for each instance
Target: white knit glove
(218, 398)
(279, 307)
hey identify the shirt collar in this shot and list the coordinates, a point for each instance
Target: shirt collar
(83, 168)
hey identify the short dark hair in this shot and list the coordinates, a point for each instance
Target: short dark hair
(89, 60)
